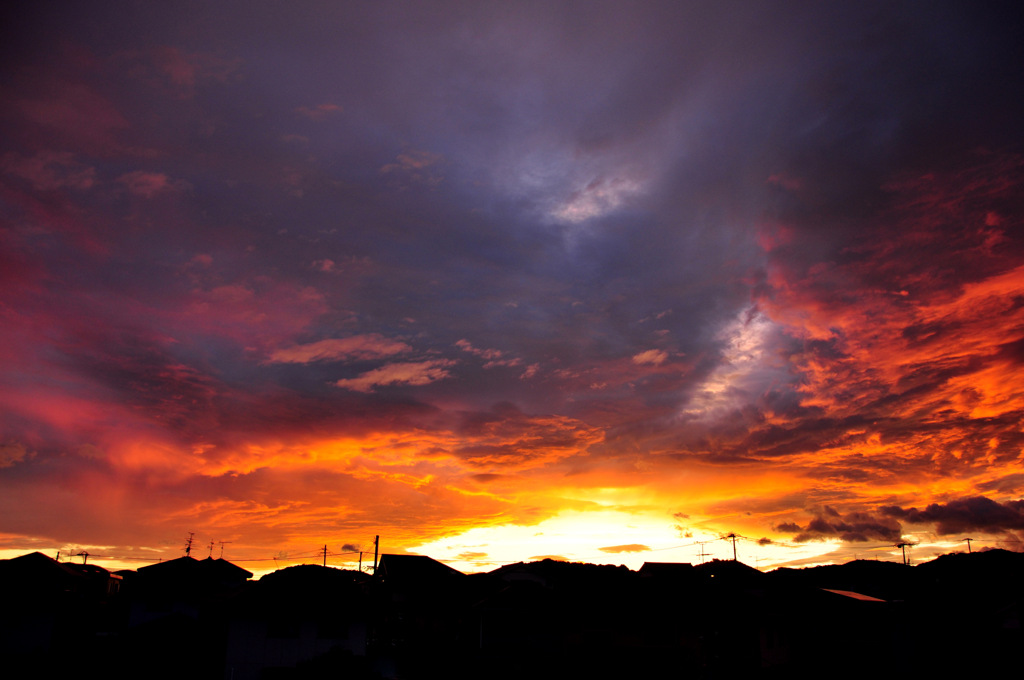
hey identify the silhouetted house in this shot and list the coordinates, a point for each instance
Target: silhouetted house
(53, 609)
(303, 616)
(407, 570)
(567, 618)
(418, 606)
(181, 604)
(209, 575)
(183, 587)
(730, 573)
(39, 574)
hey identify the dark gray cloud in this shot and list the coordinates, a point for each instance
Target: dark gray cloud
(855, 527)
(964, 514)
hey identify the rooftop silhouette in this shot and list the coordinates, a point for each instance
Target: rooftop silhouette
(419, 618)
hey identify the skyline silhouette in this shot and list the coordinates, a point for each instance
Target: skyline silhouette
(417, 618)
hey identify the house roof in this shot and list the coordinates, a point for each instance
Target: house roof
(666, 569)
(38, 569)
(414, 567)
(35, 573)
(188, 568)
(853, 595)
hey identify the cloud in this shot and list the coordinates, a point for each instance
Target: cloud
(410, 373)
(493, 356)
(856, 527)
(413, 160)
(834, 225)
(320, 111)
(505, 439)
(977, 513)
(598, 197)
(653, 357)
(186, 70)
(11, 453)
(356, 347)
(151, 184)
(471, 556)
(74, 114)
(530, 371)
(416, 166)
(50, 170)
(628, 548)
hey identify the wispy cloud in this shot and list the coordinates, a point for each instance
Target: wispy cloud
(356, 347)
(408, 373)
(628, 548)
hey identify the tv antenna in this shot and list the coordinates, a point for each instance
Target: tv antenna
(188, 544)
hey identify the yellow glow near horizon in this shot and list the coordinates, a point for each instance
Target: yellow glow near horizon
(579, 536)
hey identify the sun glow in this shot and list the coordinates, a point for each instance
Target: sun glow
(607, 536)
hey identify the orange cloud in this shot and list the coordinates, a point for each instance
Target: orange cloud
(359, 347)
(628, 548)
(409, 373)
(651, 356)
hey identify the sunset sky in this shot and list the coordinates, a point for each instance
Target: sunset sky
(505, 280)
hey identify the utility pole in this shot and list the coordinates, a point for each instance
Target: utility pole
(903, 546)
(968, 544)
(376, 550)
(733, 537)
(211, 549)
(85, 556)
(222, 547)
(325, 554)
(360, 560)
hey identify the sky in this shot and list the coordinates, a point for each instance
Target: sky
(599, 281)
